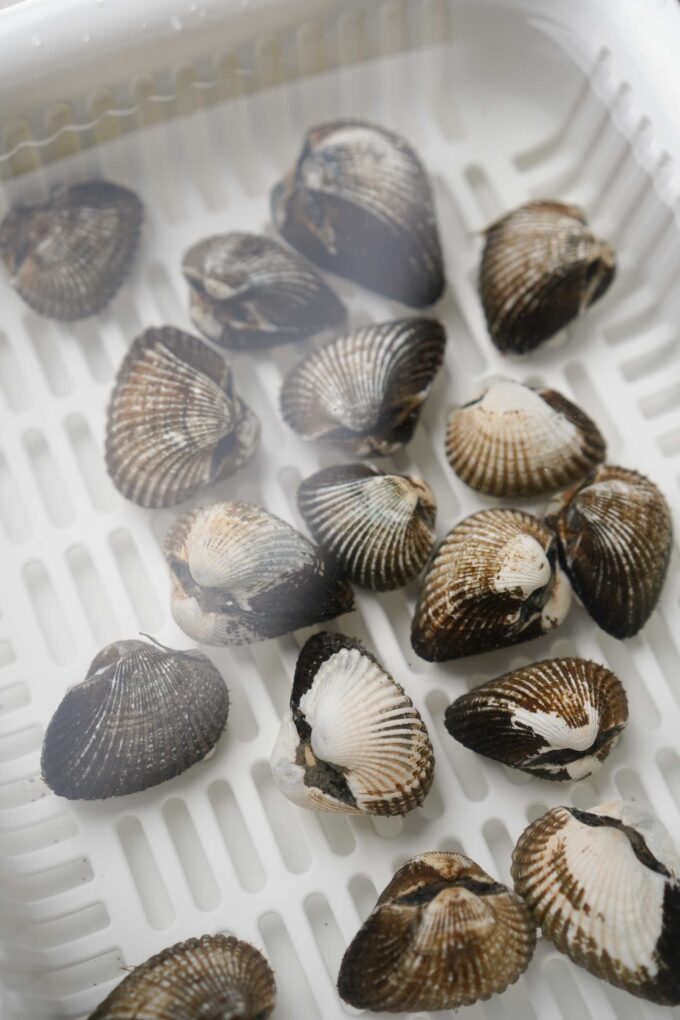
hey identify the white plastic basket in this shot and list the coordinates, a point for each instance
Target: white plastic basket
(504, 101)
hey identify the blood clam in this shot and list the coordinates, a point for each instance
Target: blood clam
(358, 203)
(443, 934)
(68, 256)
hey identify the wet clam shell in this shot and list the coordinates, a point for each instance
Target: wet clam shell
(67, 257)
(142, 715)
(379, 528)
(557, 719)
(518, 441)
(615, 534)
(365, 389)
(541, 268)
(214, 976)
(175, 423)
(358, 203)
(248, 292)
(443, 934)
(604, 886)
(239, 575)
(492, 582)
(352, 740)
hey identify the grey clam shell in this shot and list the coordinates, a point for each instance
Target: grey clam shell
(443, 934)
(379, 528)
(67, 257)
(541, 268)
(358, 203)
(492, 582)
(175, 423)
(615, 534)
(248, 292)
(352, 740)
(557, 719)
(604, 885)
(515, 440)
(142, 715)
(214, 976)
(365, 389)
(239, 575)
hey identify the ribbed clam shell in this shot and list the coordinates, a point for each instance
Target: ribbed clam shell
(352, 741)
(68, 256)
(175, 423)
(557, 719)
(492, 582)
(379, 528)
(541, 268)
(443, 934)
(249, 292)
(615, 535)
(604, 886)
(143, 714)
(358, 203)
(518, 441)
(366, 388)
(240, 574)
(216, 977)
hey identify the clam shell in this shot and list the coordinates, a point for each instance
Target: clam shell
(213, 976)
(358, 203)
(68, 256)
(365, 389)
(557, 719)
(615, 534)
(492, 582)
(143, 714)
(541, 268)
(604, 886)
(352, 741)
(443, 934)
(249, 292)
(379, 528)
(518, 441)
(175, 423)
(240, 574)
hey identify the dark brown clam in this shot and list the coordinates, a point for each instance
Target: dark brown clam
(67, 257)
(615, 534)
(249, 292)
(365, 389)
(175, 422)
(216, 977)
(143, 714)
(541, 268)
(443, 934)
(358, 203)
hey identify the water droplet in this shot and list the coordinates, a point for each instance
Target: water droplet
(36, 40)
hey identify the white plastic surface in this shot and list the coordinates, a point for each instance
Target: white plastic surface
(499, 115)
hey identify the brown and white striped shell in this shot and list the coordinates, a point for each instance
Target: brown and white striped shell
(365, 389)
(248, 292)
(515, 440)
(379, 528)
(443, 934)
(142, 715)
(68, 256)
(604, 885)
(239, 574)
(175, 422)
(557, 719)
(541, 268)
(216, 977)
(493, 582)
(615, 533)
(352, 740)
(358, 203)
